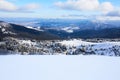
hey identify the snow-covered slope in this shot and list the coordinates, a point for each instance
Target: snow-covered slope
(70, 29)
(75, 42)
(59, 47)
(4, 28)
(34, 28)
(59, 68)
(102, 48)
(19, 31)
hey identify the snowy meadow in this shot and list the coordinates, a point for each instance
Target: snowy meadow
(59, 68)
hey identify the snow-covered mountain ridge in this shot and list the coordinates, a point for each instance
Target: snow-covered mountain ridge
(19, 31)
(103, 48)
(64, 29)
(62, 23)
(59, 47)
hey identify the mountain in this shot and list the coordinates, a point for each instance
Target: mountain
(60, 24)
(83, 28)
(14, 30)
(66, 28)
(90, 33)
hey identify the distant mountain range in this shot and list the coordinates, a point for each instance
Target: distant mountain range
(18, 31)
(49, 29)
(81, 28)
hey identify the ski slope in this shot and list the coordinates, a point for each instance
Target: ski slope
(59, 68)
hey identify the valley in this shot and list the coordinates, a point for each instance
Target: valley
(56, 37)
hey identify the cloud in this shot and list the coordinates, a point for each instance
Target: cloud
(85, 5)
(114, 13)
(74, 16)
(104, 18)
(106, 7)
(7, 6)
(10, 7)
(31, 6)
(78, 4)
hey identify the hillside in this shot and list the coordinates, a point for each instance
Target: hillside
(12, 46)
(18, 31)
(110, 33)
(49, 29)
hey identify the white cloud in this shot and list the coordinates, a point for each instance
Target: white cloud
(104, 18)
(78, 4)
(7, 6)
(106, 7)
(114, 13)
(31, 6)
(10, 7)
(86, 5)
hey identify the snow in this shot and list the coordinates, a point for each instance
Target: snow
(70, 29)
(100, 48)
(3, 29)
(37, 28)
(79, 42)
(4, 24)
(2, 43)
(106, 44)
(59, 68)
(26, 42)
(74, 42)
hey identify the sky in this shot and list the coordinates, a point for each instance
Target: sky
(59, 8)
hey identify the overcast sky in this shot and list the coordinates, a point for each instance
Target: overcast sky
(59, 8)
